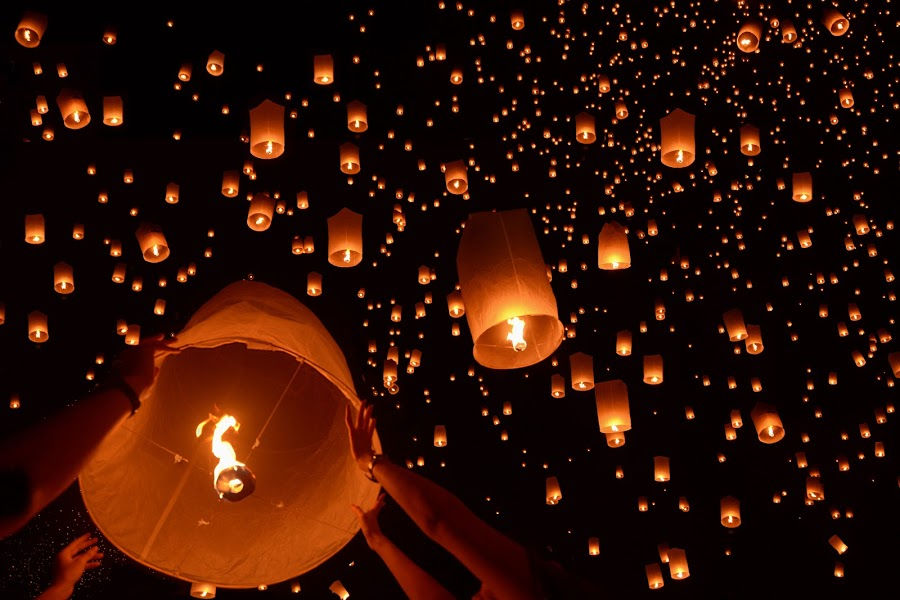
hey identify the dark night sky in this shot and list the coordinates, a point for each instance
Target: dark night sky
(516, 105)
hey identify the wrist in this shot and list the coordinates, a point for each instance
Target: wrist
(376, 541)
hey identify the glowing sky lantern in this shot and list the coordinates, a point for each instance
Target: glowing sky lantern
(267, 130)
(345, 243)
(677, 139)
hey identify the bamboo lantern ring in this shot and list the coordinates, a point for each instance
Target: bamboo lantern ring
(73, 109)
(456, 178)
(510, 306)
(153, 243)
(585, 130)
(31, 29)
(267, 130)
(749, 36)
(345, 238)
(259, 216)
(677, 139)
(357, 118)
(323, 69)
(349, 158)
(613, 252)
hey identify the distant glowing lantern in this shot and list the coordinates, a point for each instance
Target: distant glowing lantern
(846, 97)
(154, 247)
(517, 19)
(678, 565)
(801, 184)
(113, 114)
(34, 229)
(749, 35)
(73, 109)
(654, 576)
(314, 284)
(582, 371)
(613, 252)
(753, 341)
(593, 546)
(613, 413)
(788, 32)
(653, 369)
(768, 424)
(734, 324)
(323, 69)
(230, 183)
(267, 130)
(203, 590)
(554, 494)
(730, 512)
(262, 208)
(31, 29)
(63, 278)
(357, 120)
(557, 386)
(215, 64)
(455, 177)
(455, 305)
(677, 139)
(510, 307)
(835, 22)
(337, 588)
(661, 470)
(345, 245)
(623, 342)
(585, 130)
(349, 154)
(750, 145)
(38, 331)
(440, 436)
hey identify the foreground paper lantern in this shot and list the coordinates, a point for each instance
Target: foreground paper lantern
(750, 145)
(749, 36)
(678, 565)
(113, 111)
(345, 238)
(612, 248)
(554, 494)
(654, 576)
(677, 139)
(31, 29)
(734, 324)
(259, 215)
(256, 353)
(153, 243)
(455, 177)
(510, 307)
(73, 109)
(835, 22)
(357, 121)
(215, 64)
(768, 424)
(267, 130)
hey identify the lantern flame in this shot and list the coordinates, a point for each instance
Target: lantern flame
(516, 334)
(27, 35)
(679, 158)
(223, 450)
(347, 256)
(269, 148)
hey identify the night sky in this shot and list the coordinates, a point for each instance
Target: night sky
(717, 235)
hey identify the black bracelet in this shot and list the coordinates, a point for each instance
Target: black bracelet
(116, 382)
(370, 471)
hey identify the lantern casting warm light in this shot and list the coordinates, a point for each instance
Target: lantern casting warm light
(677, 139)
(262, 208)
(456, 178)
(267, 130)
(345, 238)
(154, 247)
(767, 423)
(613, 252)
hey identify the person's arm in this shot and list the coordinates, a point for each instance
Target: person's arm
(70, 565)
(501, 564)
(44, 460)
(416, 583)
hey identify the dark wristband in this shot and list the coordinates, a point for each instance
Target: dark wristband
(370, 470)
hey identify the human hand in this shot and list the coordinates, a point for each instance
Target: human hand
(360, 431)
(72, 561)
(136, 364)
(368, 521)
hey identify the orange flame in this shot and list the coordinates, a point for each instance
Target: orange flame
(223, 450)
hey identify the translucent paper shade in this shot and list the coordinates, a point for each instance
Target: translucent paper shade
(502, 275)
(267, 130)
(612, 248)
(677, 139)
(345, 238)
(263, 357)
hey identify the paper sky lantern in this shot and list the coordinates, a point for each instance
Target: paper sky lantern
(661, 470)
(73, 109)
(585, 130)
(612, 248)
(750, 145)
(835, 22)
(267, 130)
(215, 64)
(257, 354)
(323, 69)
(259, 215)
(349, 158)
(203, 590)
(63, 278)
(154, 247)
(678, 565)
(734, 324)
(455, 305)
(455, 177)
(112, 111)
(230, 183)
(654, 576)
(753, 341)
(345, 238)
(38, 330)
(517, 19)
(730, 512)
(357, 121)
(623, 342)
(34, 229)
(653, 369)
(613, 413)
(440, 436)
(337, 588)
(677, 139)
(846, 97)
(31, 29)
(582, 371)
(557, 386)
(510, 307)
(749, 35)
(801, 186)
(768, 424)
(554, 494)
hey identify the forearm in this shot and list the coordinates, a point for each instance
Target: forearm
(52, 454)
(416, 583)
(56, 592)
